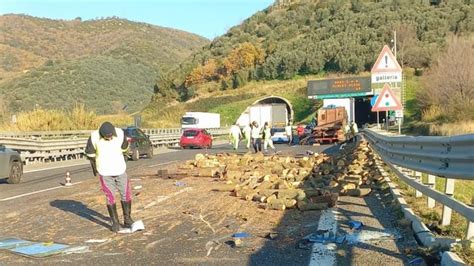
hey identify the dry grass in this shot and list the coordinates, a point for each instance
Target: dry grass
(452, 129)
(53, 120)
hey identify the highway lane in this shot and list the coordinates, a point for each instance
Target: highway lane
(48, 178)
(174, 235)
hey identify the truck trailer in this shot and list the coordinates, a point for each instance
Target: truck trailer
(275, 114)
(330, 128)
(201, 120)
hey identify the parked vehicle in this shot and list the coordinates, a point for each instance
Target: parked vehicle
(139, 143)
(275, 114)
(201, 120)
(195, 138)
(279, 135)
(330, 128)
(11, 166)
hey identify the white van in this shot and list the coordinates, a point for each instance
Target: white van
(201, 120)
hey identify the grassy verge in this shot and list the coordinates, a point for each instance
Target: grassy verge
(231, 103)
(464, 190)
(412, 85)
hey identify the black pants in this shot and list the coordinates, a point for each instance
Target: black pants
(257, 144)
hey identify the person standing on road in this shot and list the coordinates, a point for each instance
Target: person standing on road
(299, 133)
(235, 135)
(267, 137)
(247, 131)
(256, 136)
(347, 132)
(289, 133)
(107, 147)
(354, 130)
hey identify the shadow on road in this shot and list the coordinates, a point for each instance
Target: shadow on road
(79, 209)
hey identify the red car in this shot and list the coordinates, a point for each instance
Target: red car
(195, 138)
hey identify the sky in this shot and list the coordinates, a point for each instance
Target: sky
(208, 18)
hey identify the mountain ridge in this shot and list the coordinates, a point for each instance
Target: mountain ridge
(32, 48)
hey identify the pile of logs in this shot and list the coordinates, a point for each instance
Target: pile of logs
(308, 183)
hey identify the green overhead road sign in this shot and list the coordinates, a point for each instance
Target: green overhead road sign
(339, 88)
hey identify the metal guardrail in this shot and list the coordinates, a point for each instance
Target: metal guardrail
(447, 157)
(451, 157)
(42, 147)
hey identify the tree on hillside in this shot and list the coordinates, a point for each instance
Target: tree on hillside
(244, 56)
(449, 85)
(202, 73)
(406, 40)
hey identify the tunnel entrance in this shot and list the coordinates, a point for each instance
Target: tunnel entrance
(276, 99)
(363, 113)
(270, 108)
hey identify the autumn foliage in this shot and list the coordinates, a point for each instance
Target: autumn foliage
(244, 56)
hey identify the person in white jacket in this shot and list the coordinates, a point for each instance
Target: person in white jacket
(106, 147)
(235, 135)
(247, 131)
(267, 137)
(289, 133)
(256, 136)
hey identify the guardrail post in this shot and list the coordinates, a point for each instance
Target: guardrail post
(449, 191)
(417, 176)
(470, 230)
(431, 184)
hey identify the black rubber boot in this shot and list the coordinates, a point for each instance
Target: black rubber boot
(127, 209)
(114, 217)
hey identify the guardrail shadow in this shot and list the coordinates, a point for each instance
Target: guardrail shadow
(81, 210)
(378, 205)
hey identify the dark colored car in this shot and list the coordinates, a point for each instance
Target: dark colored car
(11, 166)
(195, 138)
(139, 143)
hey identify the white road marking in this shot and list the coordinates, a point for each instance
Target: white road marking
(36, 192)
(161, 164)
(325, 254)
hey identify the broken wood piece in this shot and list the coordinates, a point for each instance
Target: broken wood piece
(358, 192)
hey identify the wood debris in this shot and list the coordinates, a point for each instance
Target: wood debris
(281, 182)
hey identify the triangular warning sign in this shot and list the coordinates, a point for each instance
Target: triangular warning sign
(386, 62)
(386, 101)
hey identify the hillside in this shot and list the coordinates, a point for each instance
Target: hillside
(307, 37)
(53, 63)
(231, 103)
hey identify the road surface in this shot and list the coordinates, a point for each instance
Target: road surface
(187, 223)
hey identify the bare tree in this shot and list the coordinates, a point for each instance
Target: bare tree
(406, 39)
(450, 82)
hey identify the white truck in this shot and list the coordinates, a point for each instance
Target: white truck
(201, 120)
(275, 114)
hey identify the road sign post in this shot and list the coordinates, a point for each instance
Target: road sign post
(386, 101)
(387, 71)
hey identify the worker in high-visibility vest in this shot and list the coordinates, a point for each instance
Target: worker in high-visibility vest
(107, 147)
(235, 134)
(247, 131)
(267, 137)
